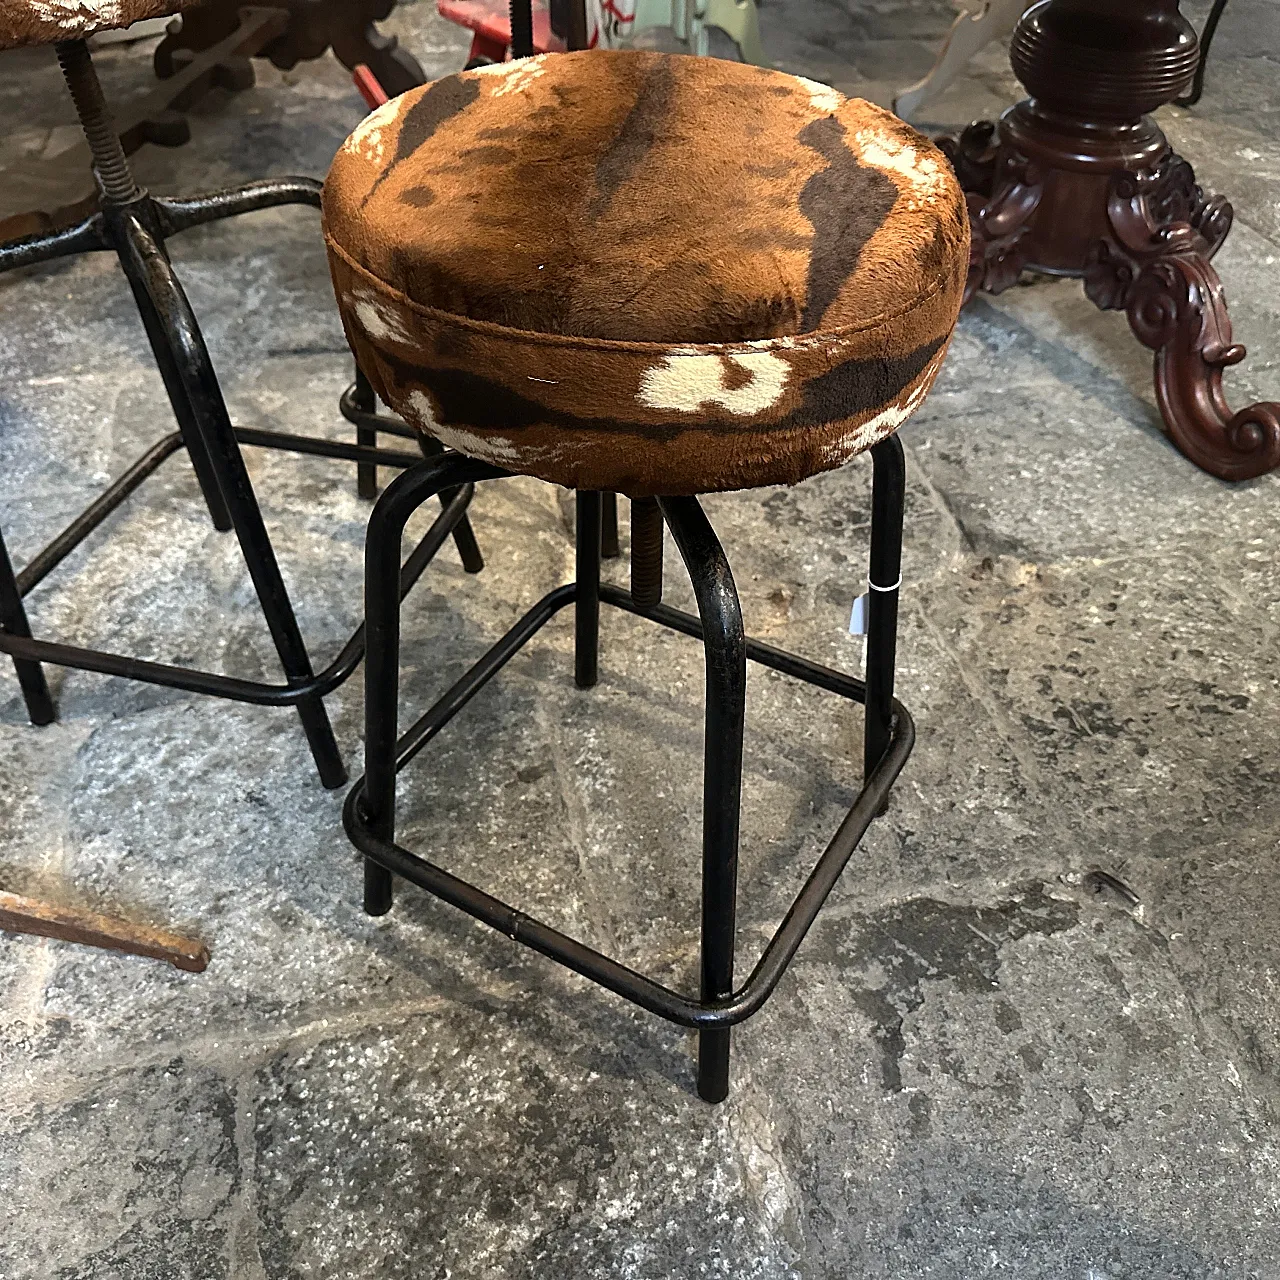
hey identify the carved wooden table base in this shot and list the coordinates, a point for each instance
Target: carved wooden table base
(1078, 181)
(346, 26)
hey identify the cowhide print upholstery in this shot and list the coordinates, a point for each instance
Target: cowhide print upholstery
(644, 272)
(24, 22)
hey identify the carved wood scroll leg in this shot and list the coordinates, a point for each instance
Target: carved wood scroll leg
(70, 924)
(1177, 309)
(1156, 268)
(996, 259)
(1003, 191)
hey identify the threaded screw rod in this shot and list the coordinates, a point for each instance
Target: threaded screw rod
(521, 15)
(95, 119)
(646, 552)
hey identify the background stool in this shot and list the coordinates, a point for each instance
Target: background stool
(135, 225)
(801, 333)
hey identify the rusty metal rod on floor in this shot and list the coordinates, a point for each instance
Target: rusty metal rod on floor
(88, 928)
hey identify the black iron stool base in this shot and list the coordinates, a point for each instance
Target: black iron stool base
(370, 813)
(135, 225)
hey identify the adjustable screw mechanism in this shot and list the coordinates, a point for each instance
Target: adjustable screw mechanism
(646, 552)
(521, 15)
(113, 170)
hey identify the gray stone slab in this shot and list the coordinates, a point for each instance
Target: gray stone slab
(1154, 703)
(618, 1172)
(1050, 471)
(986, 1132)
(157, 1196)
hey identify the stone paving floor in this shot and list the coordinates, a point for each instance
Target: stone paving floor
(977, 1066)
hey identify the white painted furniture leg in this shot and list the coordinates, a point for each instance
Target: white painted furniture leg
(689, 20)
(739, 20)
(976, 27)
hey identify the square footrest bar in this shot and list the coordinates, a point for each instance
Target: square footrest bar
(530, 932)
(258, 693)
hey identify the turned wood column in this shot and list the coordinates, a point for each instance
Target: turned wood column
(1079, 180)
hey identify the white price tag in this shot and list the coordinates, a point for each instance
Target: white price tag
(860, 618)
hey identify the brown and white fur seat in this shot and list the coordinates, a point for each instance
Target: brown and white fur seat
(662, 276)
(729, 277)
(28, 22)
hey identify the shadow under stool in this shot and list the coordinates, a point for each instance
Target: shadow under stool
(135, 225)
(784, 303)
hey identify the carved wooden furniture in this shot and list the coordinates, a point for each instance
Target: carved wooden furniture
(1078, 180)
(982, 21)
(135, 226)
(345, 26)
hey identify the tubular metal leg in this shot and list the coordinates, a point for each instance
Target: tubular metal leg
(726, 664)
(149, 270)
(586, 636)
(379, 889)
(13, 619)
(382, 684)
(359, 404)
(382, 594)
(464, 536)
(178, 213)
(366, 472)
(166, 358)
(120, 191)
(609, 527)
(85, 237)
(888, 494)
(465, 540)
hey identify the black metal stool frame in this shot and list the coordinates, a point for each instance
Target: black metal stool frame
(370, 813)
(135, 225)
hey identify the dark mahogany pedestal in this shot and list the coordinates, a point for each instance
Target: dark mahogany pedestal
(1078, 180)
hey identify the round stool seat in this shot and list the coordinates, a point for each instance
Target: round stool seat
(24, 22)
(643, 272)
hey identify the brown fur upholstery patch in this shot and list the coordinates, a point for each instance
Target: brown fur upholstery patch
(26, 22)
(646, 272)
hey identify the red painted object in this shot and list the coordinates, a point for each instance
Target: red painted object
(370, 87)
(490, 23)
